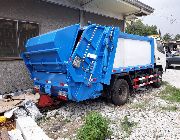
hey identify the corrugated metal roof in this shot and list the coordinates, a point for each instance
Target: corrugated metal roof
(111, 8)
(140, 5)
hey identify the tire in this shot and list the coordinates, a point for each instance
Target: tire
(120, 92)
(167, 65)
(159, 83)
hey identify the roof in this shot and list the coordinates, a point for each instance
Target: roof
(141, 5)
(118, 9)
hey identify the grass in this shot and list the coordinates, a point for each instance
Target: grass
(95, 128)
(165, 83)
(42, 119)
(170, 108)
(170, 93)
(127, 125)
(67, 120)
(141, 105)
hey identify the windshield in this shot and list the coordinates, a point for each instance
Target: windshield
(160, 47)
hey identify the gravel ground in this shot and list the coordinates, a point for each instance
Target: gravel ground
(154, 117)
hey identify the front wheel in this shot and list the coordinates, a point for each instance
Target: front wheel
(120, 92)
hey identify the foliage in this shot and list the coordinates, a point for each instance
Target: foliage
(165, 83)
(177, 37)
(171, 93)
(167, 37)
(140, 105)
(95, 128)
(139, 28)
(170, 108)
(127, 125)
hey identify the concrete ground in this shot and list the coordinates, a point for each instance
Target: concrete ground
(172, 76)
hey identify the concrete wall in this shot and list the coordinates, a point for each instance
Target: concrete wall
(103, 20)
(13, 74)
(49, 16)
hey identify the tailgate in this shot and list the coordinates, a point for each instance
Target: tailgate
(50, 52)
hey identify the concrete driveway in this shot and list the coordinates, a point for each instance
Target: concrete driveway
(172, 76)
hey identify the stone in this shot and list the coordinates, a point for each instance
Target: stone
(30, 130)
(32, 110)
(15, 135)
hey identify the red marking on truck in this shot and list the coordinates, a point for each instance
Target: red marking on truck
(94, 79)
(62, 97)
(136, 80)
(45, 100)
(147, 77)
(136, 86)
(152, 78)
(62, 84)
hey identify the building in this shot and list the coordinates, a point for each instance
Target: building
(23, 19)
(172, 46)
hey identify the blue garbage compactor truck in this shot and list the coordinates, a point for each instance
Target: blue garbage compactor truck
(77, 64)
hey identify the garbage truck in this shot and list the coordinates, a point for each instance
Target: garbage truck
(79, 63)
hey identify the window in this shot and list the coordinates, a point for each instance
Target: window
(160, 47)
(13, 36)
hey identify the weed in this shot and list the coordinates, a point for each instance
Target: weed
(95, 128)
(170, 108)
(141, 105)
(127, 125)
(165, 83)
(171, 93)
(67, 120)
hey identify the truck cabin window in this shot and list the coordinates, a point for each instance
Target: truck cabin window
(160, 47)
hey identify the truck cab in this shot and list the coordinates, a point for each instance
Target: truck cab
(160, 54)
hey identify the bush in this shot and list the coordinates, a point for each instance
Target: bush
(95, 127)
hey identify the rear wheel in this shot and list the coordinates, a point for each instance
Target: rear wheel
(120, 92)
(159, 78)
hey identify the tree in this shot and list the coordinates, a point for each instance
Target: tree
(167, 37)
(177, 37)
(139, 28)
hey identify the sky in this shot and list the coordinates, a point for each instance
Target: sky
(166, 15)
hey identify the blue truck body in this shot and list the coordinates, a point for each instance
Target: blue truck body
(75, 63)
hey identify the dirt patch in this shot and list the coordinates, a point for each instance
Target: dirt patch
(8, 125)
(56, 127)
